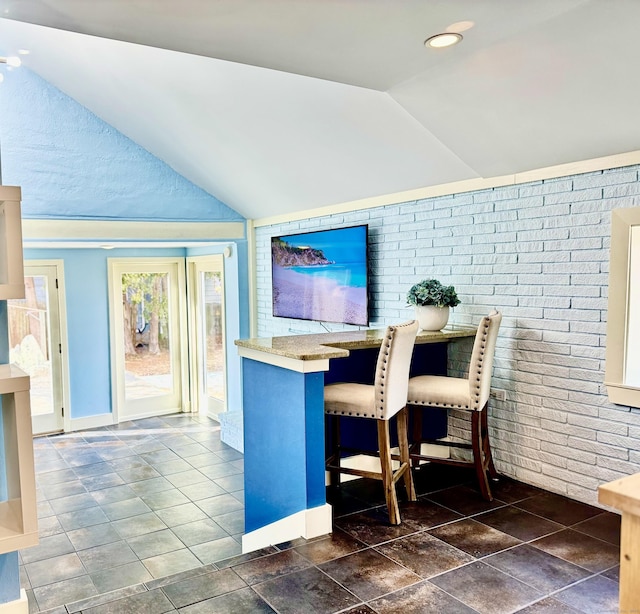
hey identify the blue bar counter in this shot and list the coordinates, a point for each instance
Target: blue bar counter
(284, 438)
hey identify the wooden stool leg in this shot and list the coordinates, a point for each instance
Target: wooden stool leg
(384, 445)
(478, 461)
(416, 439)
(486, 446)
(403, 444)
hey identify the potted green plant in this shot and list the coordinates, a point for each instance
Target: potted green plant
(432, 301)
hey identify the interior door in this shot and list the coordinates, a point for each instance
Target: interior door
(147, 305)
(207, 320)
(35, 342)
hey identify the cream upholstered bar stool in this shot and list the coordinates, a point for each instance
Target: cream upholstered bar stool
(470, 394)
(385, 398)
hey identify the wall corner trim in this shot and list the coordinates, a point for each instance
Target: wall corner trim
(309, 523)
(18, 606)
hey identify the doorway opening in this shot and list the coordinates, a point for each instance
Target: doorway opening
(167, 327)
(206, 285)
(37, 342)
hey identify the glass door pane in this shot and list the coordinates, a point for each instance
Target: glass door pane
(208, 368)
(147, 335)
(30, 343)
(34, 340)
(148, 328)
(212, 295)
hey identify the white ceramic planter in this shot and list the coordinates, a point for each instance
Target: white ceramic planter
(431, 317)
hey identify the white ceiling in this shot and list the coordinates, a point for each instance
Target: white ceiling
(276, 106)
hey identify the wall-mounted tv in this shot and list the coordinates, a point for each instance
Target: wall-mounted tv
(321, 275)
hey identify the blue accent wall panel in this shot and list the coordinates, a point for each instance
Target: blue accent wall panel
(314, 430)
(276, 457)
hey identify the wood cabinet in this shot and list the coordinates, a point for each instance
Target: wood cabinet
(11, 267)
(624, 495)
(18, 513)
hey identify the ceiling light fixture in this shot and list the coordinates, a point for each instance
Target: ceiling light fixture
(445, 39)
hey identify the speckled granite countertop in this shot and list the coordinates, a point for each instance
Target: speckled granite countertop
(337, 345)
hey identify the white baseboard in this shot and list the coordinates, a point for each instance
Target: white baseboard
(92, 422)
(318, 521)
(307, 524)
(152, 413)
(19, 606)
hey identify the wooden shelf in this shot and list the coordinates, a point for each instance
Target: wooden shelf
(12, 530)
(11, 266)
(13, 379)
(18, 514)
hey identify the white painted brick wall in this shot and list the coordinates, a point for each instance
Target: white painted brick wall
(540, 253)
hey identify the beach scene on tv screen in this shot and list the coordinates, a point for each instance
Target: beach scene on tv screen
(321, 275)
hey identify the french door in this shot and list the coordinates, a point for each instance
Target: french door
(148, 331)
(207, 326)
(36, 346)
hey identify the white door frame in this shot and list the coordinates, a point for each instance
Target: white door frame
(178, 334)
(199, 399)
(57, 315)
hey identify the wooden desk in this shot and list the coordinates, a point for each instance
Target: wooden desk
(624, 495)
(283, 404)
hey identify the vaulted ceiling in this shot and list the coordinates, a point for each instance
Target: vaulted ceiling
(278, 106)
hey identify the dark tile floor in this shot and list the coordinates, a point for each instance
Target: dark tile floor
(147, 517)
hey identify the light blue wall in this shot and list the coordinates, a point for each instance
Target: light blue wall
(9, 577)
(71, 164)
(87, 302)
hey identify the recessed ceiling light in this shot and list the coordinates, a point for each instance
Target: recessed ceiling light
(446, 39)
(23, 52)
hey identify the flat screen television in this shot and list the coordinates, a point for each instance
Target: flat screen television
(321, 275)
